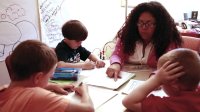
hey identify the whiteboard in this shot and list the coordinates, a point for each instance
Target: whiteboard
(18, 22)
(51, 21)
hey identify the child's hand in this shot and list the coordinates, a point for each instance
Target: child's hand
(169, 72)
(100, 64)
(88, 65)
(61, 89)
(81, 89)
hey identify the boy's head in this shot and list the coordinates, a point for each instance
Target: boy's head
(31, 57)
(74, 30)
(190, 60)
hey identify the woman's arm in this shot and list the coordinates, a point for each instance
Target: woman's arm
(117, 56)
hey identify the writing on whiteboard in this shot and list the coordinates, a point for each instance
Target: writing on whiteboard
(51, 21)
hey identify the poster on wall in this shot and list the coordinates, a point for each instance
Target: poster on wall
(51, 18)
(18, 22)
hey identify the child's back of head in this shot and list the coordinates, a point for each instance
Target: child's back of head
(30, 57)
(74, 30)
(190, 60)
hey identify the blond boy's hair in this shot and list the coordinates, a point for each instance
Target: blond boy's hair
(190, 60)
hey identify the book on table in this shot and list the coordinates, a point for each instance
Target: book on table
(100, 79)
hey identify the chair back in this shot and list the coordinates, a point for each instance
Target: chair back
(191, 43)
(108, 49)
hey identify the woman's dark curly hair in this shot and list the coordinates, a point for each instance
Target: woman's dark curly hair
(165, 31)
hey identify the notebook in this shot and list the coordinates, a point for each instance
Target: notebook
(100, 79)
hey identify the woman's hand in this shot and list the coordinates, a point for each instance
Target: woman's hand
(113, 71)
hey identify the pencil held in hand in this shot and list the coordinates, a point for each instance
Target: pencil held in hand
(80, 84)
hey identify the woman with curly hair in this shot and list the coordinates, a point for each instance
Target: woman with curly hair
(148, 32)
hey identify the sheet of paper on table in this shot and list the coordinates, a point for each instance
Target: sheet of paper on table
(102, 80)
(99, 96)
(87, 73)
(132, 84)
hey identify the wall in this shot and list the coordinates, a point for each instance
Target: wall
(103, 19)
(177, 7)
(4, 77)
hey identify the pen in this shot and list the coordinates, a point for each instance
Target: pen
(80, 84)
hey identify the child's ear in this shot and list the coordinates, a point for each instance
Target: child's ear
(38, 78)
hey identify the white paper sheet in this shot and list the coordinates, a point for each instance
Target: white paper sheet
(102, 80)
(132, 84)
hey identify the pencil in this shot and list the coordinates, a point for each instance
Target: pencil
(81, 84)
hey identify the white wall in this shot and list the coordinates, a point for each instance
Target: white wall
(4, 77)
(103, 18)
(177, 7)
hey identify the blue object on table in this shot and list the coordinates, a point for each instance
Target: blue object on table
(66, 74)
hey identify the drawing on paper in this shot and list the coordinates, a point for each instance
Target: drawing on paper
(14, 28)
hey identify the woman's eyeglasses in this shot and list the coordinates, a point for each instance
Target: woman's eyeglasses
(146, 25)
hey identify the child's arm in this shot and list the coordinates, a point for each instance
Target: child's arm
(168, 72)
(86, 104)
(87, 65)
(134, 99)
(99, 63)
(61, 89)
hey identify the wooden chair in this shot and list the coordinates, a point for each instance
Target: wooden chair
(108, 48)
(191, 43)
